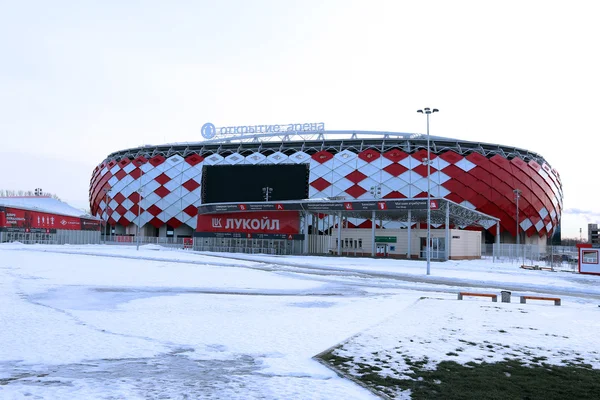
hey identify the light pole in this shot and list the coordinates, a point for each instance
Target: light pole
(517, 193)
(106, 193)
(267, 192)
(137, 234)
(376, 193)
(427, 111)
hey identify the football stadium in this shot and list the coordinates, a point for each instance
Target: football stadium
(225, 191)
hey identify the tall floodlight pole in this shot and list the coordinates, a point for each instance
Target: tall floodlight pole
(517, 193)
(106, 192)
(427, 111)
(137, 234)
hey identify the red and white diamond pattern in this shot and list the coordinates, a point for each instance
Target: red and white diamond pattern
(171, 186)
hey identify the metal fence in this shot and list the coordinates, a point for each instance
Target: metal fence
(555, 257)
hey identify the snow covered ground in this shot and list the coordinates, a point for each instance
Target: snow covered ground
(100, 322)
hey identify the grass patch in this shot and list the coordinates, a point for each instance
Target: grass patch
(508, 379)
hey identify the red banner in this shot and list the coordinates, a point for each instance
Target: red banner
(287, 222)
(26, 220)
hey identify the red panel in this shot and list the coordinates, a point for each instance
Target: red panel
(481, 174)
(284, 222)
(162, 178)
(537, 167)
(121, 174)
(134, 197)
(451, 157)
(124, 221)
(119, 198)
(467, 193)
(157, 160)
(124, 161)
(162, 191)
(322, 156)
(154, 210)
(140, 160)
(421, 154)
(174, 223)
(356, 191)
(369, 155)
(356, 176)
(395, 155)
(194, 159)
(422, 170)
(135, 210)
(501, 162)
(320, 184)
(155, 222)
(420, 195)
(395, 169)
(136, 173)
(454, 186)
(504, 176)
(478, 201)
(120, 209)
(394, 195)
(191, 210)
(477, 159)
(468, 180)
(453, 171)
(191, 185)
(455, 198)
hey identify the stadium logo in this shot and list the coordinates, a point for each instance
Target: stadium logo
(63, 222)
(208, 131)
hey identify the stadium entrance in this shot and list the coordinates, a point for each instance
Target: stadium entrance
(322, 227)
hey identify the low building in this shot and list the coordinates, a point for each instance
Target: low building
(593, 234)
(42, 219)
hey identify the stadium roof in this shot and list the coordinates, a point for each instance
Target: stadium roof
(44, 204)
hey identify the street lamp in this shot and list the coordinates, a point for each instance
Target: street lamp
(106, 193)
(427, 111)
(517, 193)
(137, 232)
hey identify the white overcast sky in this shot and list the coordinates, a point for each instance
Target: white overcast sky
(81, 79)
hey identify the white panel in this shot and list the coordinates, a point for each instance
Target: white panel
(553, 214)
(104, 171)
(113, 181)
(422, 184)
(277, 157)
(543, 212)
(151, 174)
(213, 159)
(343, 170)
(190, 174)
(382, 162)
(343, 184)
(129, 167)
(127, 204)
(319, 171)
(465, 164)
(549, 226)
(439, 163)
(149, 186)
(300, 157)
(173, 173)
(192, 222)
(539, 225)
(115, 215)
(526, 224)
(312, 192)
(385, 191)
(234, 158)
(410, 176)
(344, 157)
(255, 158)
(410, 162)
(173, 184)
(442, 191)
(116, 168)
(468, 204)
(439, 177)
(369, 170)
(405, 190)
(113, 204)
(367, 183)
(130, 216)
(395, 184)
(382, 176)
(149, 200)
(171, 198)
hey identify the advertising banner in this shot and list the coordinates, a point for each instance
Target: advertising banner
(18, 220)
(323, 206)
(285, 222)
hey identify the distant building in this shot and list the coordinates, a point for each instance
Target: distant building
(593, 234)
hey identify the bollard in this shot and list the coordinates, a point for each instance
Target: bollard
(505, 296)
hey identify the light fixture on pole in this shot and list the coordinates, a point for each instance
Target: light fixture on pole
(38, 191)
(139, 221)
(267, 192)
(427, 111)
(106, 193)
(517, 193)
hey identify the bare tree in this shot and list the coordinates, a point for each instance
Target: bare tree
(20, 193)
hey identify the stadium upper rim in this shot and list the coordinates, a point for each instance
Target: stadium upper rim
(330, 140)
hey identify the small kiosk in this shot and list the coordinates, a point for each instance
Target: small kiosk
(588, 259)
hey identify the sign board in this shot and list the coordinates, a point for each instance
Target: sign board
(19, 220)
(386, 239)
(281, 223)
(589, 259)
(322, 206)
(210, 131)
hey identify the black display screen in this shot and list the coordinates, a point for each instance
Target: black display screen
(245, 183)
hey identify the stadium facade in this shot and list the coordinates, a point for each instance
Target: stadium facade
(175, 179)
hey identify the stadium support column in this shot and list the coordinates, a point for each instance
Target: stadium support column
(373, 234)
(339, 235)
(408, 254)
(497, 245)
(447, 231)
(305, 232)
